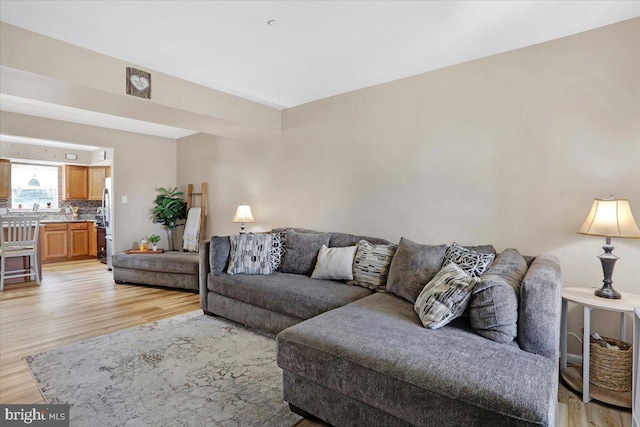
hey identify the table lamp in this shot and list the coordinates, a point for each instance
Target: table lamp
(609, 218)
(243, 215)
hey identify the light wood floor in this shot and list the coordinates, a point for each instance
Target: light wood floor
(78, 300)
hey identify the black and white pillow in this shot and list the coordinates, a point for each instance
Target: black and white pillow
(278, 247)
(472, 262)
(250, 254)
(371, 265)
(445, 297)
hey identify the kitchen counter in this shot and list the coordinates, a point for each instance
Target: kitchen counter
(58, 221)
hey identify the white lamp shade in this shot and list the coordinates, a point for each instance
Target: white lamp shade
(243, 214)
(610, 218)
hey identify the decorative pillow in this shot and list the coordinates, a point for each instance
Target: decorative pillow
(413, 265)
(371, 265)
(493, 308)
(474, 263)
(250, 254)
(302, 251)
(445, 296)
(278, 246)
(335, 263)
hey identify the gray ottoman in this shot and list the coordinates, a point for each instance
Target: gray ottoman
(171, 269)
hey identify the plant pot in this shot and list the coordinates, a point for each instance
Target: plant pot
(154, 247)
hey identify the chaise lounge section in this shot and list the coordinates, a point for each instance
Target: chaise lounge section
(172, 269)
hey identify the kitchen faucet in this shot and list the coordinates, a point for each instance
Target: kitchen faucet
(35, 207)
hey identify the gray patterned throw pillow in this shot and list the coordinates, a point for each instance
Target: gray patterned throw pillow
(371, 265)
(278, 247)
(445, 297)
(250, 254)
(472, 262)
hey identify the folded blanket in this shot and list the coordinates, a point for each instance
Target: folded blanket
(191, 230)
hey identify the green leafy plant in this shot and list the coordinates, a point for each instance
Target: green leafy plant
(154, 239)
(170, 209)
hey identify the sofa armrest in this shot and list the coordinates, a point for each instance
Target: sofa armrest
(203, 271)
(540, 308)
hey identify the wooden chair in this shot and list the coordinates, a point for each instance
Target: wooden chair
(19, 238)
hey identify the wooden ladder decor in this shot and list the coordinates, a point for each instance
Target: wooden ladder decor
(203, 205)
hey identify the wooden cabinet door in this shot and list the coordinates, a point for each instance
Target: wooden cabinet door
(78, 240)
(5, 179)
(75, 182)
(96, 182)
(56, 245)
(93, 240)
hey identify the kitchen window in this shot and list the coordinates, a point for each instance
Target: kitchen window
(31, 184)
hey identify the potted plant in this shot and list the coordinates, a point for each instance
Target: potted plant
(154, 239)
(170, 209)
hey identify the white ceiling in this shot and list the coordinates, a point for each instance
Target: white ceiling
(47, 110)
(317, 48)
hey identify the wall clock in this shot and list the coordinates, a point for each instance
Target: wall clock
(138, 83)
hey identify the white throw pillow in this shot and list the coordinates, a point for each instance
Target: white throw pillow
(335, 263)
(445, 297)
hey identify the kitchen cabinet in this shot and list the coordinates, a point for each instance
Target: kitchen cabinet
(67, 241)
(78, 240)
(75, 182)
(96, 182)
(55, 242)
(83, 182)
(5, 179)
(93, 240)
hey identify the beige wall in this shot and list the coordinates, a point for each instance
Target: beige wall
(41, 153)
(509, 150)
(141, 163)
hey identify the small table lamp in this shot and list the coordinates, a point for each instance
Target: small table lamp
(243, 214)
(609, 218)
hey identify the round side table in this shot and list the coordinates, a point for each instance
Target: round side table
(572, 376)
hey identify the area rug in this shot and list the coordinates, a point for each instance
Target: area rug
(184, 371)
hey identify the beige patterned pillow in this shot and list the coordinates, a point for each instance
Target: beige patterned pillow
(250, 254)
(445, 297)
(371, 265)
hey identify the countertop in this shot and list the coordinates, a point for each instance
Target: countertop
(56, 221)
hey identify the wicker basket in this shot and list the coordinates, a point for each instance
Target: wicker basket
(609, 368)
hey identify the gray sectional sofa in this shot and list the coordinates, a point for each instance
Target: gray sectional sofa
(354, 357)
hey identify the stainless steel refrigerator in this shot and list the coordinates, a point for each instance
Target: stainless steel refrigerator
(108, 215)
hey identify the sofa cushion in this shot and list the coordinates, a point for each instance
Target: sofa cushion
(334, 263)
(290, 294)
(250, 254)
(219, 251)
(340, 240)
(167, 262)
(302, 251)
(376, 351)
(412, 267)
(445, 297)
(539, 311)
(473, 262)
(493, 308)
(371, 265)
